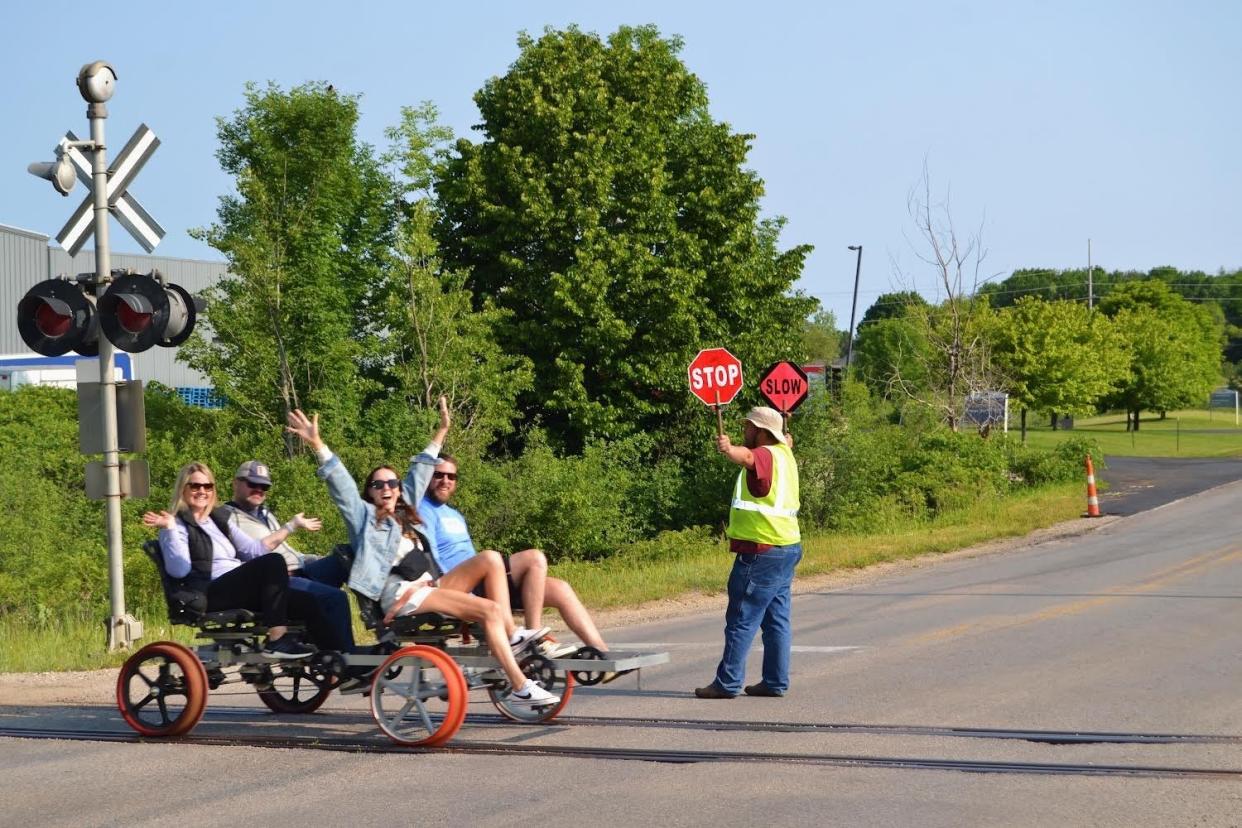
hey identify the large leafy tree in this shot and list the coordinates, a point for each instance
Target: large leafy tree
(614, 219)
(305, 234)
(424, 337)
(1174, 347)
(1057, 356)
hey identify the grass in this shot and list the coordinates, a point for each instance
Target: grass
(677, 564)
(629, 579)
(1189, 433)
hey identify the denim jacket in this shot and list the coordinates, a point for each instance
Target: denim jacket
(375, 546)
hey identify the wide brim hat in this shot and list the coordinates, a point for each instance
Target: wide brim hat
(768, 419)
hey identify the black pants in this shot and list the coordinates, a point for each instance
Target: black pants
(260, 585)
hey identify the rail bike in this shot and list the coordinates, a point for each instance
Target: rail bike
(424, 668)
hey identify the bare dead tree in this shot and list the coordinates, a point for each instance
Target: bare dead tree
(956, 360)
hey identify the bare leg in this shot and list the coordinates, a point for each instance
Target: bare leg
(561, 596)
(487, 568)
(274, 633)
(530, 570)
(469, 607)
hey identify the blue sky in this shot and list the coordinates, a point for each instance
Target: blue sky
(1045, 123)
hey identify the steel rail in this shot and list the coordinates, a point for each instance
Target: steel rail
(370, 745)
(1050, 737)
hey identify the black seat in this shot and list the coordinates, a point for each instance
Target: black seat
(422, 625)
(189, 606)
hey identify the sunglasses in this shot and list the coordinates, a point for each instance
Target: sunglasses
(259, 487)
(200, 487)
(442, 475)
(379, 485)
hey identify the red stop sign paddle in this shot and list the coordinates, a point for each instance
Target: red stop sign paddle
(715, 378)
(784, 385)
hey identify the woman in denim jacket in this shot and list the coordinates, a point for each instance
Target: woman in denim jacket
(384, 528)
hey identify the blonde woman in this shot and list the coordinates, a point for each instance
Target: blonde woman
(233, 570)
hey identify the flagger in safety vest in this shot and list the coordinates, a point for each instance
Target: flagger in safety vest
(764, 537)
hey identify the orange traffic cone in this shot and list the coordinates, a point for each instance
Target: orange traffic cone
(1093, 501)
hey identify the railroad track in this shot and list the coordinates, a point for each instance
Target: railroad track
(370, 744)
(1050, 737)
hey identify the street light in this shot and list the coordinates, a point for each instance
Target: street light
(849, 348)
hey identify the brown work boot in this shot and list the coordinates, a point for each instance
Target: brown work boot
(713, 691)
(761, 689)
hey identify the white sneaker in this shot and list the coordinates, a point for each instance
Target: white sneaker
(554, 649)
(532, 695)
(523, 638)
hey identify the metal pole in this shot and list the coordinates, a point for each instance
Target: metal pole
(1090, 286)
(118, 628)
(849, 349)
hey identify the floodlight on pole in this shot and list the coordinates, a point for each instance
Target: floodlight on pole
(849, 348)
(60, 172)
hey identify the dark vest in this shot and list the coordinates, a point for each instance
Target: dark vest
(417, 561)
(200, 547)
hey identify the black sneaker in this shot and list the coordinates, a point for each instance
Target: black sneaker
(288, 647)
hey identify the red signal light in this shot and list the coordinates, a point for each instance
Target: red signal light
(52, 323)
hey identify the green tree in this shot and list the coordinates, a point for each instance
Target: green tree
(424, 336)
(892, 305)
(821, 341)
(1058, 356)
(614, 219)
(1174, 345)
(889, 349)
(305, 236)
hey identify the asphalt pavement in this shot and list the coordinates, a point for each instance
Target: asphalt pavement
(1136, 484)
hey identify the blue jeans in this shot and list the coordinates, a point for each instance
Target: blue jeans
(759, 597)
(329, 622)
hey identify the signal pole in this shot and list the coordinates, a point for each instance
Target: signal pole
(123, 629)
(132, 313)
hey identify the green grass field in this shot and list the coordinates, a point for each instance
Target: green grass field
(1189, 433)
(697, 566)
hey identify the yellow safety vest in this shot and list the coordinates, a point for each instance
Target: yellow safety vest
(772, 518)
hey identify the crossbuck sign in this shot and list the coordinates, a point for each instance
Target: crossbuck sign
(145, 230)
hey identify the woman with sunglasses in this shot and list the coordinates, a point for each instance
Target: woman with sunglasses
(233, 570)
(392, 555)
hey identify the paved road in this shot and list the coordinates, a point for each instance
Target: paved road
(1136, 484)
(1134, 627)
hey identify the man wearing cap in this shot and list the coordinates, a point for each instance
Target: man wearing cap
(763, 534)
(320, 578)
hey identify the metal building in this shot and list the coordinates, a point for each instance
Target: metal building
(26, 258)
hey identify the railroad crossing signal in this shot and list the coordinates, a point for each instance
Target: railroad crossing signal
(784, 386)
(121, 204)
(135, 312)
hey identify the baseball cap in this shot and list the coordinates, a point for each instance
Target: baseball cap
(255, 472)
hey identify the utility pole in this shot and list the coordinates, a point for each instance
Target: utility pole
(849, 348)
(1090, 286)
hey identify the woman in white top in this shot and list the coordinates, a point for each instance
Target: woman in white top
(384, 530)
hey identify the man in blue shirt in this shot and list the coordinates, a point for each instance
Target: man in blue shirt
(530, 588)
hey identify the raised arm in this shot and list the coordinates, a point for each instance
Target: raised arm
(423, 465)
(341, 486)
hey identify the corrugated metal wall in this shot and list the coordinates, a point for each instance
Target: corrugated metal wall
(26, 259)
(23, 264)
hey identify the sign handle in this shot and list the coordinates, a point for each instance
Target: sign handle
(784, 421)
(719, 416)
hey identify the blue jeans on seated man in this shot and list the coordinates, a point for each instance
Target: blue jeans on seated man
(759, 598)
(320, 581)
